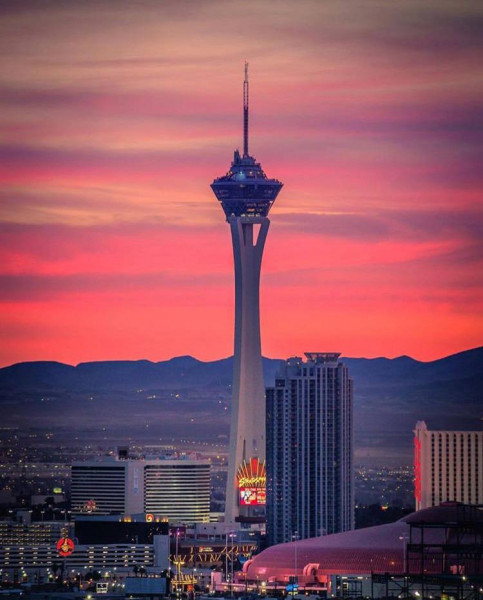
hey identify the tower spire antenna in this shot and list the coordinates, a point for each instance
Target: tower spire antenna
(245, 112)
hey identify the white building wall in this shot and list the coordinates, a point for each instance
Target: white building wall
(247, 428)
(135, 486)
(178, 490)
(448, 466)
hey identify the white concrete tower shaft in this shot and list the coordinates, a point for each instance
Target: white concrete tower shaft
(247, 431)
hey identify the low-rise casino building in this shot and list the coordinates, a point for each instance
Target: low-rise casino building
(439, 546)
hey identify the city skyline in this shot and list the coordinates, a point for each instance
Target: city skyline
(113, 122)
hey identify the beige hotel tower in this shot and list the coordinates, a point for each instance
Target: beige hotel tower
(448, 466)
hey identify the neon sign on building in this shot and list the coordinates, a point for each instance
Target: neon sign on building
(252, 480)
(417, 469)
(65, 546)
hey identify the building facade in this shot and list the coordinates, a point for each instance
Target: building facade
(99, 487)
(40, 563)
(174, 489)
(86, 557)
(246, 195)
(31, 534)
(309, 449)
(178, 489)
(448, 466)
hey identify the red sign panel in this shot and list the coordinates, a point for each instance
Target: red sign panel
(252, 496)
(417, 469)
(65, 546)
(251, 479)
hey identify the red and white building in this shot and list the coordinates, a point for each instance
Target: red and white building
(442, 540)
(448, 466)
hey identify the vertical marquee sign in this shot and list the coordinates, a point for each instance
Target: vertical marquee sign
(417, 471)
(252, 481)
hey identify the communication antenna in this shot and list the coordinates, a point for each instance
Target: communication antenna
(245, 112)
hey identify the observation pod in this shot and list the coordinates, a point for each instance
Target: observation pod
(245, 191)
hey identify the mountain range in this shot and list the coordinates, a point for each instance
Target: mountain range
(184, 398)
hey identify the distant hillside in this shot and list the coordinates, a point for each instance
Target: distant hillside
(182, 371)
(396, 370)
(184, 397)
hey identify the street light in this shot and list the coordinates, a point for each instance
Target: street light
(177, 542)
(404, 539)
(232, 535)
(178, 565)
(226, 556)
(295, 537)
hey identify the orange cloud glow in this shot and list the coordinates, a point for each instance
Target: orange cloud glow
(115, 119)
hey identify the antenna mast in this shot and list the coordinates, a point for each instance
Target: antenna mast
(245, 112)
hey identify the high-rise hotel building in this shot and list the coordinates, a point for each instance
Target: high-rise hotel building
(175, 489)
(448, 466)
(309, 449)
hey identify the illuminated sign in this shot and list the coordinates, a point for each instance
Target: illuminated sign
(89, 506)
(57, 490)
(251, 496)
(149, 518)
(251, 479)
(65, 546)
(417, 469)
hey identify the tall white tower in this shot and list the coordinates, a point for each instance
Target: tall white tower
(246, 196)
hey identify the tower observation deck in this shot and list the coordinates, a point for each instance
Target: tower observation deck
(246, 195)
(245, 190)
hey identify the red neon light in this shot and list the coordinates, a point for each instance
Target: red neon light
(417, 469)
(65, 546)
(251, 480)
(251, 474)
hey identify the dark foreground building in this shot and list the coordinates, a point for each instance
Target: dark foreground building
(119, 529)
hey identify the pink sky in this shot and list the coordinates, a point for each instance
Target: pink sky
(116, 116)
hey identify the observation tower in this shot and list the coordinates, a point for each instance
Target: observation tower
(246, 195)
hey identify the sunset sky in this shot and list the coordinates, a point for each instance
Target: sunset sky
(116, 117)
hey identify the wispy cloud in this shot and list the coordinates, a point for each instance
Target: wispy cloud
(114, 120)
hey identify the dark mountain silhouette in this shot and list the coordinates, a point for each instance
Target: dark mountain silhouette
(185, 397)
(177, 372)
